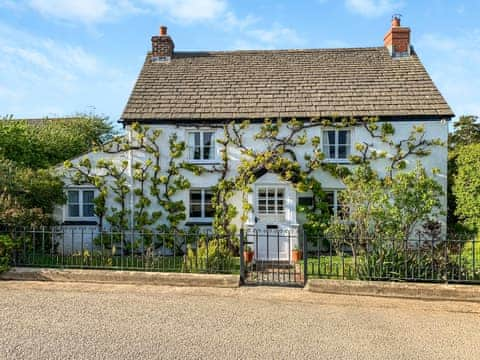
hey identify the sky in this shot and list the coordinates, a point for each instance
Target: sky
(62, 57)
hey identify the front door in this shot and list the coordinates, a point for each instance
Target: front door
(273, 244)
(272, 241)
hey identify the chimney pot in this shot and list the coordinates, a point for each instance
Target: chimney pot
(396, 21)
(163, 30)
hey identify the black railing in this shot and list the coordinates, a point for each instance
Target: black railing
(260, 257)
(271, 257)
(452, 259)
(92, 248)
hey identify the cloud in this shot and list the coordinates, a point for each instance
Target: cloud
(454, 64)
(275, 37)
(98, 11)
(189, 10)
(41, 76)
(373, 8)
(88, 11)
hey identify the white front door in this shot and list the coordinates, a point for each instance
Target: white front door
(273, 231)
(273, 244)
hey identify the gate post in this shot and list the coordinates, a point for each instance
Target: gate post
(242, 260)
(305, 257)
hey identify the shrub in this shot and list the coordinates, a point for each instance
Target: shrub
(470, 258)
(209, 256)
(6, 246)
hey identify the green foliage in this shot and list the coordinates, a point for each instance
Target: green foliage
(466, 185)
(466, 131)
(46, 143)
(211, 255)
(27, 196)
(394, 260)
(6, 246)
(470, 257)
(385, 208)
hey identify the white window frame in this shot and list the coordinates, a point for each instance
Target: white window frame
(80, 203)
(202, 205)
(336, 159)
(191, 153)
(276, 211)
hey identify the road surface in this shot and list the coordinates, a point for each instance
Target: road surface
(92, 321)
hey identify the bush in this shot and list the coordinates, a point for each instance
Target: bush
(6, 246)
(394, 261)
(470, 258)
(210, 256)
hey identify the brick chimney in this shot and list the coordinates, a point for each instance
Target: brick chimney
(162, 46)
(397, 40)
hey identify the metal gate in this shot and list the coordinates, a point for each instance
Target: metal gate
(272, 257)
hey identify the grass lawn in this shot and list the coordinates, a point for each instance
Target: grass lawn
(336, 267)
(159, 263)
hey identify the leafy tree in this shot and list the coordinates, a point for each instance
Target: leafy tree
(27, 196)
(48, 142)
(466, 185)
(466, 132)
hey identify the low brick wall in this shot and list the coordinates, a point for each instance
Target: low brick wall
(121, 277)
(397, 289)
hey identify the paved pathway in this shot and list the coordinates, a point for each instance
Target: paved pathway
(88, 321)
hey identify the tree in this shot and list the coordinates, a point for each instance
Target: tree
(466, 185)
(27, 196)
(466, 132)
(49, 142)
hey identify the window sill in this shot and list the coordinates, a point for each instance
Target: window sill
(199, 222)
(203, 162)
(80, 222)
(337, 161)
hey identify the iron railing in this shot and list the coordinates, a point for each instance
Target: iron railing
(449, 259)
(275, 258)
(92, 248)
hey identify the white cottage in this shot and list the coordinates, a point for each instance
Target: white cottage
(193, 95)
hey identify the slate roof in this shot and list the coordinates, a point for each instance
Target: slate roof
(284, 83)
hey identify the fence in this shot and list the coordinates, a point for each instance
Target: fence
(452, 259)
(261, 257)
(92, 248)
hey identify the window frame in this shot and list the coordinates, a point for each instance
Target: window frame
(202, 205)
(276, 200)
(80, 203)
(191, 155)
(336, 159)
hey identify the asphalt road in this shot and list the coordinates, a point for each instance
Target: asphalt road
(88, 321)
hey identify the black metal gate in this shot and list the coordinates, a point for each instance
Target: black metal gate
(272, 257)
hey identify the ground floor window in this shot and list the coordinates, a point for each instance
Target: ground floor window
(201, 204)
(270, 200)
(80, 203)
(335, 207)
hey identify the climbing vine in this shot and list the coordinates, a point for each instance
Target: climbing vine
(280, 143)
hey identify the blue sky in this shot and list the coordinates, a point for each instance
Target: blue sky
(60, 57)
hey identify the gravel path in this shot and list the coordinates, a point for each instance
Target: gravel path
(89, 321)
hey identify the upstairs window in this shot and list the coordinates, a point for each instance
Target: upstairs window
(80, 203)
(336, 144)
(201, 204)
(201, 146)
(270, 200)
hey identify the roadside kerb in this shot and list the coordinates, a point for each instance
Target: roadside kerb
(121, 277)
(420, 291)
